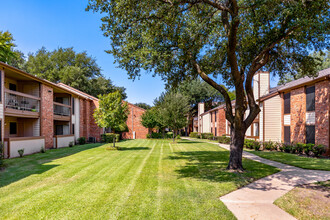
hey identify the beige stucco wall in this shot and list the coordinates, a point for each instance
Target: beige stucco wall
(206, 123)
(273, 119)
(64, 141)
(29, 146)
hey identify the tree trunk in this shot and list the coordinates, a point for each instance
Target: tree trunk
(114, 140)
(236, 148)
(173, 136)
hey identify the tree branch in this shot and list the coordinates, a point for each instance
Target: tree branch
(206, 78)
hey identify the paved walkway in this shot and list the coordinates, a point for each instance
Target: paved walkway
(255, 201)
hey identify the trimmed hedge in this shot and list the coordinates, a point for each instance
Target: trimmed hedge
(108, 137)
(155, 135)
(81, 140)
(224, 139)
(194, 135)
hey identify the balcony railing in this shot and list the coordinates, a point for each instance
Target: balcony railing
(21, 101)
(62, 109)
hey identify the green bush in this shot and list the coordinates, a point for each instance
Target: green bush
(224, 139)
(248, 143)
(269, 145)
(193, 134)
(207, 135)
(256, 146)
(308, 148)
(169, 135)
(81, 140)
(21, 152)
(178, 137)
(108, 137)
(299, 147)
(287, 148)
(42, 150)
(318, 150)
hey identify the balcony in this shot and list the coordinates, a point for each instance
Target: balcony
(62, 112)
(21, 105)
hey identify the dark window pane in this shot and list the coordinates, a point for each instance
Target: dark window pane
(215, 131)
(211, 130)
(211, 116)
(287, 133)
(310, 134)
(287, 108)
(12, 87)
(72, 128)
(59, 129)
(12, 128)
(215, 116)
(72, 106)
(310, 98)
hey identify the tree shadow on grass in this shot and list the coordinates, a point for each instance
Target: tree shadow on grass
(211, 166)
(19, 168)
(133, 148)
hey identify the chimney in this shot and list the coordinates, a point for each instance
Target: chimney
(261, 84)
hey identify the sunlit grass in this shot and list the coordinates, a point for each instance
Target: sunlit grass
(145, 179)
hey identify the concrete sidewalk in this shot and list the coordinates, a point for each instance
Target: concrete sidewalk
(255, 201)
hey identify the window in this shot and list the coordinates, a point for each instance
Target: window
(256, 129)
(212, 130)
(211, 116)
(12, 86)
(310, 134)
(72, 128)
(287, 133)
(310, 98)
(215, 131)
(12, 128)
(215, 116)
(72, 106)
(287, 108)
(59, 129)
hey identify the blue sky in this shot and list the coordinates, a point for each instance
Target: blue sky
(65, 23)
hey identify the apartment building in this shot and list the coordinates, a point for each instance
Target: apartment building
(36, 113)
(297, 111)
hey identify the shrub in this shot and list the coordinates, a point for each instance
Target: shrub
(178, 137)
(269, 145)
(256, 146)
(21, 152)
(42, 150)
(318, 150)
(108, 137)
(287, 148)
(193, 134)
(299, 147)
(224, 139)
(308, 148)
(169, 135)
(1, 154)
(71, 144)
(81, 140)
(248, 143)
(207, 135)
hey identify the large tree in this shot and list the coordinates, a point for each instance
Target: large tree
(225, 40)
(72, 68)
(6, 47)
(112, 112)
(149, 119)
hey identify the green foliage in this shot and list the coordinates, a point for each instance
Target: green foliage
(308, 148)
(81, 140)
(143, 105)
(108, 137)
(194, 135)
(172, 111)
(149, 118)
(252, 144)
(71, 144)
(269, 145)
(299, 147)
(206, 135)
(42, 149)
(318, 150)
(6, 47)
(224, 139)
(69, 67)
(21, 152)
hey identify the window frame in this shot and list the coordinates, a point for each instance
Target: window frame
(286, 103)
(313, 139)
(310, 96)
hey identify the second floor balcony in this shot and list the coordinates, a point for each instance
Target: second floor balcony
(62, 112)
(21, 104)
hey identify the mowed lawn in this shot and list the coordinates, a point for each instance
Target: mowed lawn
(146, 179)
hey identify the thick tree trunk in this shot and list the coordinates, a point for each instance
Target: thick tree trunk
(236, 149)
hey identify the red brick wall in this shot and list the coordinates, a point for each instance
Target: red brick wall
(46, 122)
(82, 115)
(322, 102)
(221, 122)
(134, 121)
(94, 129)
(298, 115)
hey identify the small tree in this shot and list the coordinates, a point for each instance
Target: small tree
(112, 112)
(173, 111)
(6, 47)
(149, 119)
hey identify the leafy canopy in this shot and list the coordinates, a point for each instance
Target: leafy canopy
(143, 105)
(6, 46)
(74, 69)
(112, 111)
(149, 118)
